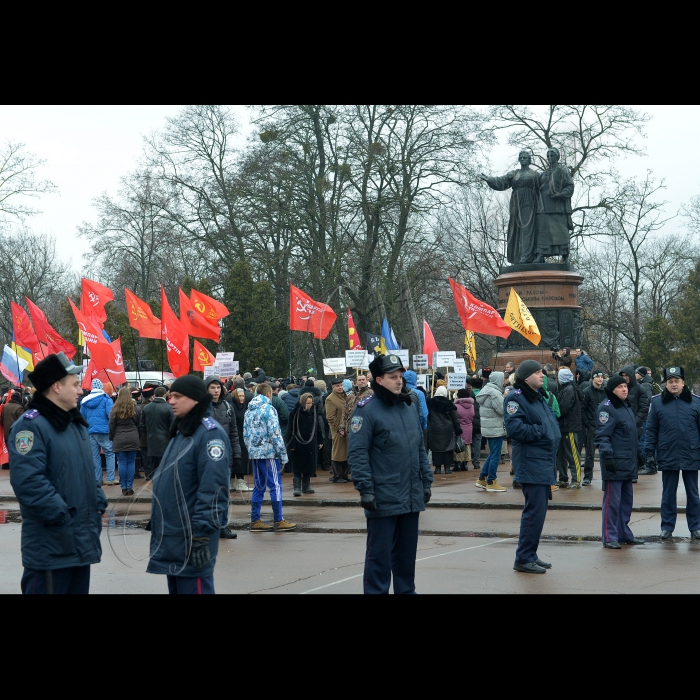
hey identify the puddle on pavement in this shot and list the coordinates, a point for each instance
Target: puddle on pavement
(109, 520)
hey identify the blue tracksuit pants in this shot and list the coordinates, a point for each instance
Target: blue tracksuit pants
(669, 510)
(617, 511)
(267, 473)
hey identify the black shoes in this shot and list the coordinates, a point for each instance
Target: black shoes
(634, 540)
(306, 485)
(543, 564)
(296, 486)
(227, 533)
(612, 545)
(667, 534)
(647, 472)
(530, 568)
(340, 480)
(695, 534)
(438, 470)
(586, 482)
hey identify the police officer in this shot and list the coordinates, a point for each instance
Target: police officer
(620, 456)
(390, 470)
(593, 395)
(534, 430)
(53, 478)
(673, 433)
(190, 492)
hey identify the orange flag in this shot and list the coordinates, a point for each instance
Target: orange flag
(195, 323)
(176, 339)
(352, 333)
(201, 357)
(210, 308)
(141, 317)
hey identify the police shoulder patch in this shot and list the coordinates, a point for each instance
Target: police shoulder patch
(517, 391)
(215, 449)
(24, 441)
(209, 423)
(606, 402)
(512, 407)
(31, 415)
(603, 416)
(364, 402)
(356, 423)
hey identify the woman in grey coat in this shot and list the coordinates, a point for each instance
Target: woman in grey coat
(490, 400)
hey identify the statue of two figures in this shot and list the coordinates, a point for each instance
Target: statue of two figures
(540, 209)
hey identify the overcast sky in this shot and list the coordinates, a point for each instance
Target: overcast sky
(88, 148)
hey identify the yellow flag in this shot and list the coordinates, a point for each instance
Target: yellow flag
(470, 348)
(519, 318)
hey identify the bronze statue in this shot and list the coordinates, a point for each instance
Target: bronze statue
(540, 209)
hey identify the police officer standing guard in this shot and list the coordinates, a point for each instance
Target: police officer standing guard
(53, 478)
(534, 430)
(673, 433)
(390, 470)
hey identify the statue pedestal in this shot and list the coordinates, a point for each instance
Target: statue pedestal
(551, 294)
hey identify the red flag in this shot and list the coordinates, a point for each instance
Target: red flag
(94, 373)
(352, 333)
(116, 375)
(41, 353)
(141, 317)
(476, 315)
(429, 344)
(210, 308)
(93, 299)
(194, 323)
(22, 328)
(201, 357)
(308, 315)
(45, 333)
(100, 350)
(176, 340)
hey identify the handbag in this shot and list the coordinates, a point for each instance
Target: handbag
(459, 444)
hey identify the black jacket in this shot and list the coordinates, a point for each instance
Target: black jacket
(592, 398)
(305, 432)
(569, 408)
(222, 413)
(638, 398)
(616, 437)
(476, 421)
(155, 421)
(443, 424)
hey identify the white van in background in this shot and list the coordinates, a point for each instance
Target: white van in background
(138, 379)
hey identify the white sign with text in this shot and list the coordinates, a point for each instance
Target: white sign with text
(334, 365)
(445, 359)
(456, 381)
(420, 362)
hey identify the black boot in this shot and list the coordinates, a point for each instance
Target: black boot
(227, 533)
(437, 469)
(297, 485)
(306, 484)
(448, 470)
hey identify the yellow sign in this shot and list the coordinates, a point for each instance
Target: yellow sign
(519, 318)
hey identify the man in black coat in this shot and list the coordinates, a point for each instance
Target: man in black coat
(673, 435)
(53, 477)
(637, 396)
(593, 396)
(570, 424)
(156, 419)
(476, 426)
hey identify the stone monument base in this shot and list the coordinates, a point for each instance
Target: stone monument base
(551, 294)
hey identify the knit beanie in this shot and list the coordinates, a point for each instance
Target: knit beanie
(565, 376)
(642, 371)
(191, 386)
(441, 391)
(97, 385)
(527, 368)
(614, 382)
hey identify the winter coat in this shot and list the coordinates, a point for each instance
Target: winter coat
(351, 400)
(584, 362)
(638, 398)
(291, 399)
(583, 381)
(646, 386)
(476, 421)
(95, 408)
(490, 400)
(155, 421)
(190, 494)
(443, 424)
(124, 433)
(282, 412)
(239, 411)
(534, 432)
(616, 437)
(387, 454)
(11, 412)
(222, 413)
(335, 407)
(53, 477)
(550, 397)
(304, 434)
(410, 377)
(592, 398)
(569, 408)
(673, 431)
(261, 431)
(465, 414)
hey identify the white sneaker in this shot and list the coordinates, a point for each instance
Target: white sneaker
(241, 485)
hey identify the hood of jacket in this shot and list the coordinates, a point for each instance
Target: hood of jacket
(467, 400)
(565, 376)
(491, 389)
(629, 371)
(94, 394)
(440, 404)
(497, 378)
(410, 376)
(583, 375)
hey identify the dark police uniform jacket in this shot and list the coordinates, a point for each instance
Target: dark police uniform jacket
(190, 494)
(673, 430)
(387, 454)
(616, 437)
(53, 477)
(534, 430)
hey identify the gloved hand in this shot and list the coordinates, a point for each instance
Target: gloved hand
(426, 495)
(59, 520)
(236, 465)
(640, 459)
(200, 555)
(651, 462)
(611, 465)
(368, 502)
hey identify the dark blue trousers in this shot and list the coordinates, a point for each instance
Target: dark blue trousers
(617, 511)
(392, 543)
(187, 585)
(537, 497)
(72, 580)
(669, 511)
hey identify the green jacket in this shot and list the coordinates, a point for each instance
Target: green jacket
(551, 399)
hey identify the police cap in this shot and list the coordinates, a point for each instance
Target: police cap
(674, 372)
(383, 364)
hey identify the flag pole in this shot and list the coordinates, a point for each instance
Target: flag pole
(136, 355)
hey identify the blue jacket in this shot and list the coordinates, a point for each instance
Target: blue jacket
(261, 431)
(387, 454)
(95, 408)
(673, 430)
(533, 428)
(616, 437)
(190, 494)
(53, 477)
(583, 361)
(410, 377)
